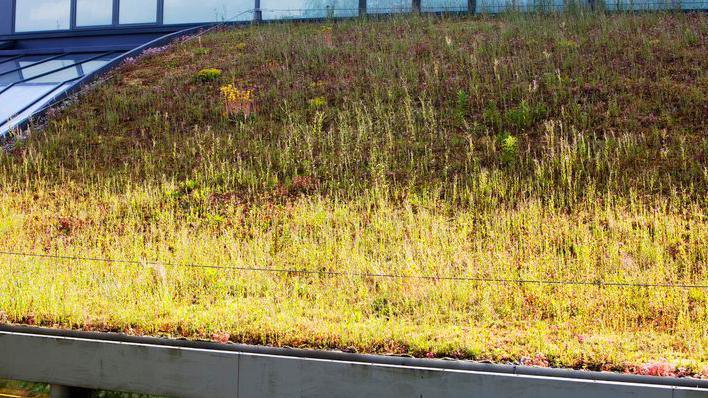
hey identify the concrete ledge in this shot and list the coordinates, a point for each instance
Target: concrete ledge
(178, 371)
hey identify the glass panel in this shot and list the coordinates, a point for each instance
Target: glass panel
(7, 78)
(92, 66)
(8, 66)
(16, 117)
(443, 5)
(94, 12)
(20, 96)
(643, 4)
(56, 77)
(289, 9)
(38, 15)
(388, 6)
(493, 6)
(497, 6)
(10, 78)
(137, 11)
(190, 11)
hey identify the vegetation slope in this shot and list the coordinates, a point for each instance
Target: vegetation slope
(521, 147)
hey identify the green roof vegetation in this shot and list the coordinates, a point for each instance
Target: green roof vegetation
(492, 149)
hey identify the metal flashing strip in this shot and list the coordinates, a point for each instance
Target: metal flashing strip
(172, 368)
(364, 358)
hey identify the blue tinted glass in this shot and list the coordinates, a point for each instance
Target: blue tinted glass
(92, 66)
(137, 11)
(443, 5)
(288, 9)
(17, 97)
(8, 77)
(649, 4)
(190, 11)
(8, 66)
(388, 6)
(36, 93)
(496, 6)
(36, 102)
(38, 15)
(31, 72)
(94, 12)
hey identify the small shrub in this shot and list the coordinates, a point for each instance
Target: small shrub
(520, 116)
(381, 307)
(201, 51)
(317, 102)
(462, 105)
(690, 37)
(208, 75)
(525, 116)
(183, 189)
(569, 44)
(492, 116)
(509, 148)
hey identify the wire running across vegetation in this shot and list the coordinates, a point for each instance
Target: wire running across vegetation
(358, 274)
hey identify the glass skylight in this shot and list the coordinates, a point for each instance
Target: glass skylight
(27, 90)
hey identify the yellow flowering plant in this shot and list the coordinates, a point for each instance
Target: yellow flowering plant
(237, 101)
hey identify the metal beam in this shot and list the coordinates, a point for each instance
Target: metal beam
(257, 12)
(168, 368)
(72, 15)
(6, 17)
(160, 12)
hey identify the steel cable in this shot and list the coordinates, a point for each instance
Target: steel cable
(357, 274)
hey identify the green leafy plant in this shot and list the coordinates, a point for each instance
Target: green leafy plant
(461, 105)
(208, 75)
(201, 51)
(492, 116)
(317, 102)
(509, 148)
(524, 116)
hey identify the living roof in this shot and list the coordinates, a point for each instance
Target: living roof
(492, 156)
